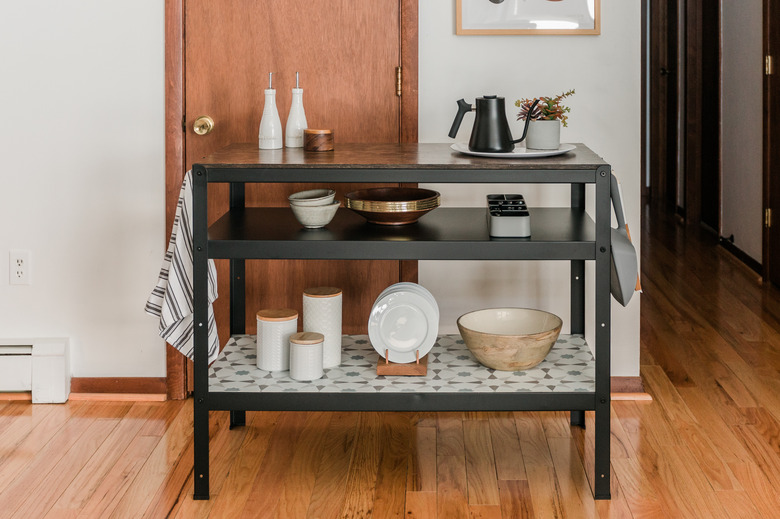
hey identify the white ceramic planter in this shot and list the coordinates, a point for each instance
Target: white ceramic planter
(543, 135)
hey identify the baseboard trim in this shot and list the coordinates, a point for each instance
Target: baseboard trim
(119, 385)
(119, 397)
(155, 389)
(626, 385)
(21, 395)
(741, 255)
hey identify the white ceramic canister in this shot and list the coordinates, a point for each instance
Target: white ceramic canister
(306, 356)
(274, 327)
(322, 313)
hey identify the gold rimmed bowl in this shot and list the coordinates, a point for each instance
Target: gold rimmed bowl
(392, 205)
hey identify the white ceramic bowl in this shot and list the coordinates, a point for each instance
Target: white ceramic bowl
(510, 339)
(312, 197)
(315, 216)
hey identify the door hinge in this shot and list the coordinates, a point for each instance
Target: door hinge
(769, 68)
(768, 217)
(398, 81)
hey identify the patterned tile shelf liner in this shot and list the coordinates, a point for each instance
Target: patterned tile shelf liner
(451, 368)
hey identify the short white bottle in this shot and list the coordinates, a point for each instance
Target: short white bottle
(270, 134)
(296, 121)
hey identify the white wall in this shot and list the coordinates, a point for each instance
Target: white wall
(83, 177)
(742, 127)
(605, 71)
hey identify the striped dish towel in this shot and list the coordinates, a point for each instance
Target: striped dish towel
(171, 299)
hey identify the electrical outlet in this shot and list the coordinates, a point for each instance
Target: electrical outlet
(19, 267)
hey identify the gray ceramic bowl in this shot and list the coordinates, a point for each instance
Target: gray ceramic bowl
(312, 197)
(509, 339)
(315, 216)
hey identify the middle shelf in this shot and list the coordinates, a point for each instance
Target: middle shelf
(445, 233)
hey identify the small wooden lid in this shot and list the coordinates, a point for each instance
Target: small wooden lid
(316, 131)
(321, 292)
(277, 314)
(307, 338)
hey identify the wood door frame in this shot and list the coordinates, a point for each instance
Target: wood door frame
(177, 366)
(771, 9)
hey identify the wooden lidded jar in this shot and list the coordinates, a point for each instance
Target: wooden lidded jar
(322, 313)
(274, 327)
(306, 356)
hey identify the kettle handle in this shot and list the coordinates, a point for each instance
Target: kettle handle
(527, 120)
(463, 109)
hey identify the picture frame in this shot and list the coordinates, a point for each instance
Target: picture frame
(535, 17)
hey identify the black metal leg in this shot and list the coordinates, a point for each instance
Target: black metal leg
(237, 419)
(578, 418)
(603, 327)
(200, 335)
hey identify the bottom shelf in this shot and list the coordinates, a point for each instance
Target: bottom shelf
(569, 368)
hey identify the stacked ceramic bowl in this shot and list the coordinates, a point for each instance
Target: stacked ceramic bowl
(314, 208)
(404, 322)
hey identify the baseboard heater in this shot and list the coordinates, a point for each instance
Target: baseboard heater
(40, 366)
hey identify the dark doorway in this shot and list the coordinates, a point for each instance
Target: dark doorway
(662, 84)
(684, 90)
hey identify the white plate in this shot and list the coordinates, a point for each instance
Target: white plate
(403, 322)
(518, 153)
(412, 287)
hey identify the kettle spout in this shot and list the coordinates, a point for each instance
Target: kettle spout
(463, 109)
(527, 120)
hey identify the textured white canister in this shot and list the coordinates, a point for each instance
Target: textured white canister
(322, 314)
(274, 327)
(306, 356)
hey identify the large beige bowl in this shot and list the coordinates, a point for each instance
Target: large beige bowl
(509, 339)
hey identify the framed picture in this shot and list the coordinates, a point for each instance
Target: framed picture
(528, 17)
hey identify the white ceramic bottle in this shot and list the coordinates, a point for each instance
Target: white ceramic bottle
(270, 134)
(296, 121)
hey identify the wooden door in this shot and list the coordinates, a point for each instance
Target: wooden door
(771, 245)
(346, 53)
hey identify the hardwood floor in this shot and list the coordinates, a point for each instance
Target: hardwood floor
(708, 445)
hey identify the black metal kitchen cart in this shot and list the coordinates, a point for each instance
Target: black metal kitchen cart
(447, 233)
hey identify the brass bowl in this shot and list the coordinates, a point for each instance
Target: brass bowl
(392, 205)
(509, 339)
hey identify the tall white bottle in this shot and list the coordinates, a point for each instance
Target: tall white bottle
(270, 134)
(296, 121)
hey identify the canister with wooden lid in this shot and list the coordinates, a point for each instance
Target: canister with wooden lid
(306, 356)
(322, 313)
(274, 327)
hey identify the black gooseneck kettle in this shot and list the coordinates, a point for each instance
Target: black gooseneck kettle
(491, 129)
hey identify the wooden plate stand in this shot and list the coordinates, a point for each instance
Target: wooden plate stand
(418, 368)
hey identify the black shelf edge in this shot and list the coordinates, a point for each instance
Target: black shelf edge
(445, 233)
(362, 174)
(530, 401)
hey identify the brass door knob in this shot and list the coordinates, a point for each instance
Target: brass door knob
(203, 125)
